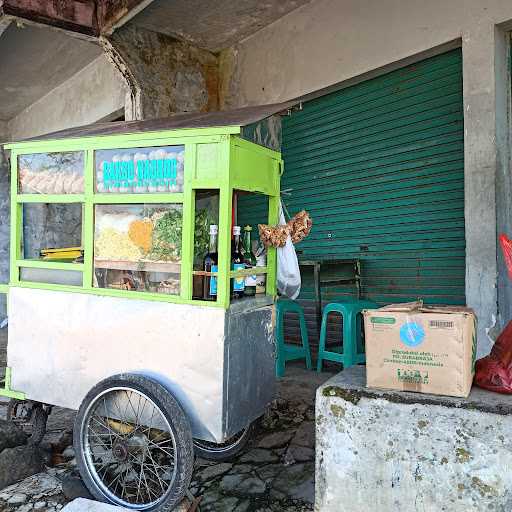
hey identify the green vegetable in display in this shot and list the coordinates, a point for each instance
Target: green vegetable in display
(167, 233)
(202, 233)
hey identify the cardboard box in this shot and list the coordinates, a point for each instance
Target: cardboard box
(410, 347)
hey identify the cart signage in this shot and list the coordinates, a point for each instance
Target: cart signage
(140, 170)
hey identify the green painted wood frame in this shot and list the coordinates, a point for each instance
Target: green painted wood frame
(230, 164)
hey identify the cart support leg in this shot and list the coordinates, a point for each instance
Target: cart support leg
(7, 391)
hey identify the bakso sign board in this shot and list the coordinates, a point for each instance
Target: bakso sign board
(140, 170)
(151, 172)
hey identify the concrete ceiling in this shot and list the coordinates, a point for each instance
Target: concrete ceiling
(213, 25)
(35, 60)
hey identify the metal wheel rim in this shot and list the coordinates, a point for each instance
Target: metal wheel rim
(91, 467)
(222, 447)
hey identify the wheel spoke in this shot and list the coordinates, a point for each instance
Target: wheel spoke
(131, 448)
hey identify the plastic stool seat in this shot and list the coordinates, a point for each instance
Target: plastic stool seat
(345, 353)
(287, 351)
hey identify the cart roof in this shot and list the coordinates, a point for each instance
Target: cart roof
(238, 117)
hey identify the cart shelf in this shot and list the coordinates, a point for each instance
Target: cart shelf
(146, 266)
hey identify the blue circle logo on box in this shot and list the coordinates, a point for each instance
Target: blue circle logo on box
(412, 334)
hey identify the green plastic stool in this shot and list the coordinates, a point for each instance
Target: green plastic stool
(347, 353)
(285, 351)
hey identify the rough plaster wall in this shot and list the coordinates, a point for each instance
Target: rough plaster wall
(330, 41)
(378, 455)
(92, 94)
(4, 219)
(167, 75)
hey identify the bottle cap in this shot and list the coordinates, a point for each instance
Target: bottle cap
(248, 228)
(214, 229)
(236, 230)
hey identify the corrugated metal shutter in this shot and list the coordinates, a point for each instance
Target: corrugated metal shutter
(380, 167)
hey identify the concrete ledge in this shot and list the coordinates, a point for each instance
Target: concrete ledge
(396, 451)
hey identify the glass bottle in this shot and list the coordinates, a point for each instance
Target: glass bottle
(237, 263)
(210, 264)
(250, 261)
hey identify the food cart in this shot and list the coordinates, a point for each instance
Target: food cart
(111, 311)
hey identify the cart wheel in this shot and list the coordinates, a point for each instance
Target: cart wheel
(223, 451)
(134, 444)
(30, 416)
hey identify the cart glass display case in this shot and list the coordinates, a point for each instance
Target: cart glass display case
(141, 208)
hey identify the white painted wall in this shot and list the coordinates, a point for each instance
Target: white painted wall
(331, 41)
(92, 94)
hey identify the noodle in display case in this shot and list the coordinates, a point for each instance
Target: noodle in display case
(138, 247)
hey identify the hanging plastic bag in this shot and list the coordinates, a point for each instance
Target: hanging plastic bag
(494, 372)
(288, 272)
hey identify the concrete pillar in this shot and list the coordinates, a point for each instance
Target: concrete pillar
(503, 168)
(478, 49)
(164, 75)
(4, 224)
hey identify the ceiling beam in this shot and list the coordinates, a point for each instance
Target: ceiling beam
(71, 15)
(113, 14)
(5, 21)
(87, 17)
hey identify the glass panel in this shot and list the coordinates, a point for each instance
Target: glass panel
(51, 276)
(51, 173)
(140, 170)
(138, 247)
(252, 210)
(52, 231)
(207, 214)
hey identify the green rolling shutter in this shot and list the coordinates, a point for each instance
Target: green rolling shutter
(380, 167)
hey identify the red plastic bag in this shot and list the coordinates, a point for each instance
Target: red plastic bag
(494, 372)
(506, 247)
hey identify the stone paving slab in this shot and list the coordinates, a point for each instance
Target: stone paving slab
(83, 505)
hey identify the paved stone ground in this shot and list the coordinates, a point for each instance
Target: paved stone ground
(275, 472)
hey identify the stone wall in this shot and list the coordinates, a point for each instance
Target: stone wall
(165, 75)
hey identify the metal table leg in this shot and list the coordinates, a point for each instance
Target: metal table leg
(318, 296)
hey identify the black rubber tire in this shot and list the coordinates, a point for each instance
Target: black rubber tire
(177, 420)
(36, 427)
(225, 451)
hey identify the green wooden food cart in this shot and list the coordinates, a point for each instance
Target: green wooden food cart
(111, 311)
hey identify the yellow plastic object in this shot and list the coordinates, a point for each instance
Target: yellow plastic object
(63, 253)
